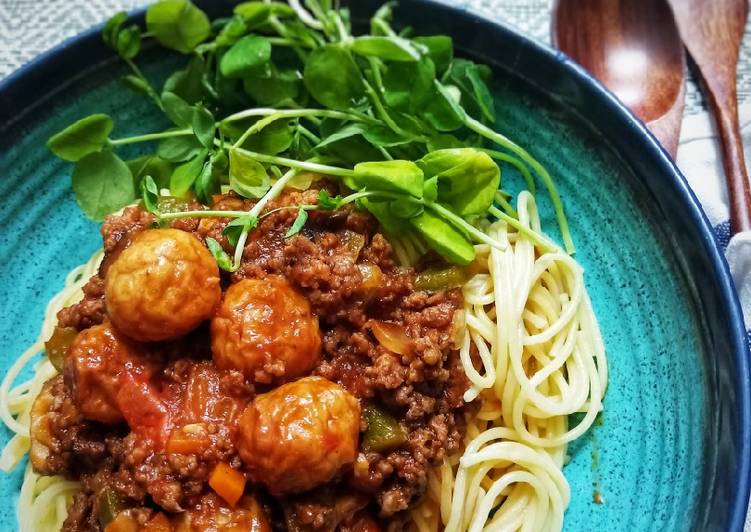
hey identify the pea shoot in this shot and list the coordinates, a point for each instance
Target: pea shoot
(276, 90)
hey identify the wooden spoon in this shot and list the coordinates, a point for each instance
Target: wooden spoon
(712, 31)
(633, 47)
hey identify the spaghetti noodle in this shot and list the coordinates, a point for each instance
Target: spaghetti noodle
(43, 500)
(532, 332)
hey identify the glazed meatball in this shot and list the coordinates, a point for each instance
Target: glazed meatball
(299, 435)
(162, 286)
(265, 329)
(95, 362)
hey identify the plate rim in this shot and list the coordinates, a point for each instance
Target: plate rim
(53, 64)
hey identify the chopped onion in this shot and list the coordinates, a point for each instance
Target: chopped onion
(391, 336)
(371, 275)
(353, 242)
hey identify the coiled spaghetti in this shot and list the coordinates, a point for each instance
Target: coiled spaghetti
(533, 352)
(43, 501)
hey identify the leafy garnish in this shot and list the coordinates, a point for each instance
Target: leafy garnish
(185, 175)
(150, 194)
(177, 24)
(387, 48)
(394, 176)
(277, 96)
(297, 225)
(220, 256)
(328, 202)
(233, 229)
(102, 183)
(247, 176)
(246, 56)
(81, 138)
(333, 78)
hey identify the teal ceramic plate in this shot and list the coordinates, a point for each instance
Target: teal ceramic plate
(672, 452)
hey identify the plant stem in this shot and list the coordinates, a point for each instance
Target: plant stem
(309, 134)
(300, 165)
(151, 136)
(284, 41)
(533, 235)
(503, 202)
(539, 169)
(202, 214)
(300, 113)
(384, 27)
(457, 220)
(516, 163)
(273, 192)
(240, 248)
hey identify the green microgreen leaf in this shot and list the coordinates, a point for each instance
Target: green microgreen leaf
(257, 13)
(444, 238)
(274, 138)
(467, 178)
(151, 165)
(233, 229)
(86, 136)
(280, 86)
(220, 256)
(179, 149)
(177, 109)
(408, 85)
(102, 184)
(185, 175)
(469, 77)
(327, 202)
(112, 28)
(141, 86)
(391, 224)
(245, 57)
(188, 83)
(440, 49)
(128, 42)
(204, 126)
(405, 208)
(391, 176)
(386, 48)
(150, 194)
(430, 189)
(302, 217)
(443, 110)
(206, 183)
(333, 78)
(247, 176)
(232, 31)
(177, 24)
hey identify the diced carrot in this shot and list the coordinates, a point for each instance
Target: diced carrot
(228, 483)
(158, 523)
(122, 523)
(183, 443)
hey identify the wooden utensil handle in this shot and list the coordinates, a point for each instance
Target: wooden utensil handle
(733, 160)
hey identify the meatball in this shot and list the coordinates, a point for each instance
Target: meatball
(265, 329)
(96, 360)
(299, 435)
(162, 286)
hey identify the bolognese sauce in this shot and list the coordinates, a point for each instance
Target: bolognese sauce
(311, 389)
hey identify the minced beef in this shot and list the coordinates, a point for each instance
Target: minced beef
(344, 267)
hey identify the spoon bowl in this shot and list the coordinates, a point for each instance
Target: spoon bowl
(617, 41)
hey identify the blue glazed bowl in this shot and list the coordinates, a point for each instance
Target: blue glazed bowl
(672, 452)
